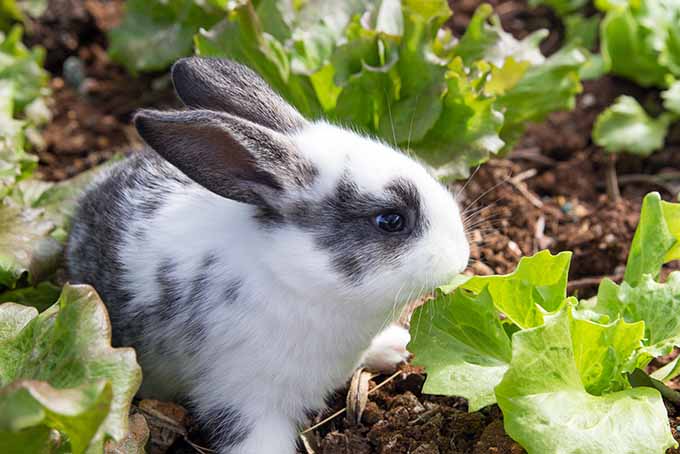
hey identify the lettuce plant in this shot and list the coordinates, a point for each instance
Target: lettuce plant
(23, 91)
(62, 387)
(639, 40)
(558, 367)
(386, 67)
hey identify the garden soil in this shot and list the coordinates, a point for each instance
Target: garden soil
(548, 193)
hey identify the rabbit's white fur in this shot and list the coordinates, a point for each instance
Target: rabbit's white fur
(277, 373)
(297, 329)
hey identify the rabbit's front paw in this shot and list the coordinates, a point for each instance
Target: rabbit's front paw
(387, 350)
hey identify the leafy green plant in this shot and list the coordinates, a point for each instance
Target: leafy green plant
(639, 40)
(12, 11)
(62, 387)
(558, 367)
(23, 92)
(386, 67)
(59, 373)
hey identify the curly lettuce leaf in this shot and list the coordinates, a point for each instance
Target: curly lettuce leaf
(538, 285)
(15, 163)
(603, 352)
(546, 407)
(27, 250)
(458, 337)
(485, 39)
(467, 130)
(656, 304)
(59, 371)
(34, 220)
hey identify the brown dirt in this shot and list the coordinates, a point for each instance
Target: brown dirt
(93, 98)
(548, 193)
(400, 419)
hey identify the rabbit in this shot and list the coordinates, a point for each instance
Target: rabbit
(250, 255)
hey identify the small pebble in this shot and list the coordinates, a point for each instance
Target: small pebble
(73, 71)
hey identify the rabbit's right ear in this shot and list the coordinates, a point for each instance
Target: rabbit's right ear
(230, 156)
(227, 86)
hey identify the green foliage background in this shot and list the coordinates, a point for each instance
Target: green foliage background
(385, 67)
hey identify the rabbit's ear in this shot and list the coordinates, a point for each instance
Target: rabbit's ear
(230, 156)
(227, 86)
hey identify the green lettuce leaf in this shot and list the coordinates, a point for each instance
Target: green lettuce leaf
(547, 409)
(27, 249)
(30, 408)
(582, 31)
(23, 67)
(155, 33)
(460, 340)
(41, 296)
(58, 371)
(15, 163)
(602, 352)
(656, 240)
(626, 127)
(656, 304)
(34, 221)
(23, 84)
(561, 7)
(466, 132)
(548, 87)
(485, 39)
(628, 50)
(538, 285)
(671, 97)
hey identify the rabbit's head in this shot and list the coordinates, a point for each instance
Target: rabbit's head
(340, 215)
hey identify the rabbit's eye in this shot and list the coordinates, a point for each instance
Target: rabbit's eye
(390, 222)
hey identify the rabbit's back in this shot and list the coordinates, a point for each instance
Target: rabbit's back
(127, 195)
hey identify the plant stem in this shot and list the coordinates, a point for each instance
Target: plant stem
(611, 179)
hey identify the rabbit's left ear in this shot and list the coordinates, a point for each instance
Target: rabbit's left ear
(227, 86)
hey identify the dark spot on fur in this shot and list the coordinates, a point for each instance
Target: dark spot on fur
(170, 303)
(231, 291)
(198, 306)
(225, 427)
(268, 217)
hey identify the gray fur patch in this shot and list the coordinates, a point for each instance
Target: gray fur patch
(342, 225)
(103, 216)
(169, 304)
(225, 427)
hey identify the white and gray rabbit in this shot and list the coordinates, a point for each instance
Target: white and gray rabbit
(250, 255)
